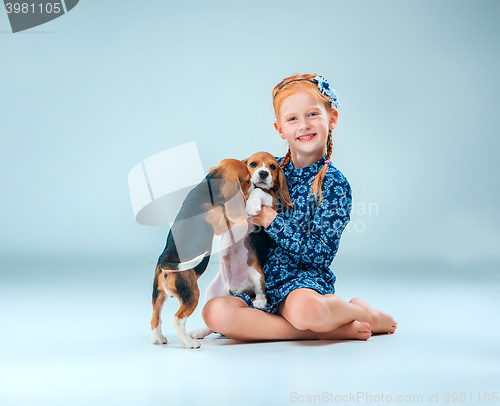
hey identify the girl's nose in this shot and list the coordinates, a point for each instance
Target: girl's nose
(304, 124)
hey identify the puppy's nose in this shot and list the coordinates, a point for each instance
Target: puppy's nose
(263, 174)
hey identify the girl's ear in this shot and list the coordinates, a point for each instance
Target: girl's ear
(334, 116)
(278, 128)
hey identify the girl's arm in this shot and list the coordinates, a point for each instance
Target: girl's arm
(315, 242)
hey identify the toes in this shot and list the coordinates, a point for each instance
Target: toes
(359, 330)
(363, 331)
(363, 335)
(363, 326)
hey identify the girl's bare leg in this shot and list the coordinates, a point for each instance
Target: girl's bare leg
(232, 317)
(307, 309)
(304, 314)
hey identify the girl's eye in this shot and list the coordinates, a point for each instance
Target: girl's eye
(291, 119)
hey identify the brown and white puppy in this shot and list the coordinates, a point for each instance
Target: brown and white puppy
(269, 181)
(244, 249)
(214, 206)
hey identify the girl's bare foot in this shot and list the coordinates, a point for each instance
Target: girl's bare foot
(382, 323)
(355, 330)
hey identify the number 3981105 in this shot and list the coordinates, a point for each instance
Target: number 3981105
(33, 8)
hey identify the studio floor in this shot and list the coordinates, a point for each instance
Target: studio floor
(75, 331)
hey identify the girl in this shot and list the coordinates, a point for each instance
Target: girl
(299, 284)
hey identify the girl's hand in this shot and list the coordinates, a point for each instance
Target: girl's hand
(264, 218)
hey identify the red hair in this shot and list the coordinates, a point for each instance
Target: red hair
(292, 85)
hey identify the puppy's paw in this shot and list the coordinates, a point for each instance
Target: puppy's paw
(259, 303)
(200, 333)
(157, 337)
(190, 343)
(253, 208)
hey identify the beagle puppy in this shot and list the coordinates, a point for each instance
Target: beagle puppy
(213, 207)
(269, 181)
(244, 249)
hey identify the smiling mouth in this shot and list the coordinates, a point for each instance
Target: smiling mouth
(306, 137)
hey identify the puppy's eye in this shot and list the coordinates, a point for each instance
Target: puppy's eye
(273, 167)
(248, 181)
(253, 164)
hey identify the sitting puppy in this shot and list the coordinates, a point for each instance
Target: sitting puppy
(244, 249)
(214, 206)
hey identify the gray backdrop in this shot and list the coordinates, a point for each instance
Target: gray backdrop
(89, 95)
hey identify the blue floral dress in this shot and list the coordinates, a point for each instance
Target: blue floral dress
(306, 239)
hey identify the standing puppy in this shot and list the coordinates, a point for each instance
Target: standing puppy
(244, 249)
(214, 206)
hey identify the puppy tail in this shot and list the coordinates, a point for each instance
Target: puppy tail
(182, 266)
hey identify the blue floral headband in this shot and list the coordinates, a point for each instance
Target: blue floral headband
(323, 87)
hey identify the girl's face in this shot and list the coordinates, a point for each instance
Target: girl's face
(304, 124)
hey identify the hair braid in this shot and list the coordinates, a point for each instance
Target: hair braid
(286, 159)
(318, 180)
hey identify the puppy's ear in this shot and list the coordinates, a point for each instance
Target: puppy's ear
(283, 190)
(227, 204)
(234, 202)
